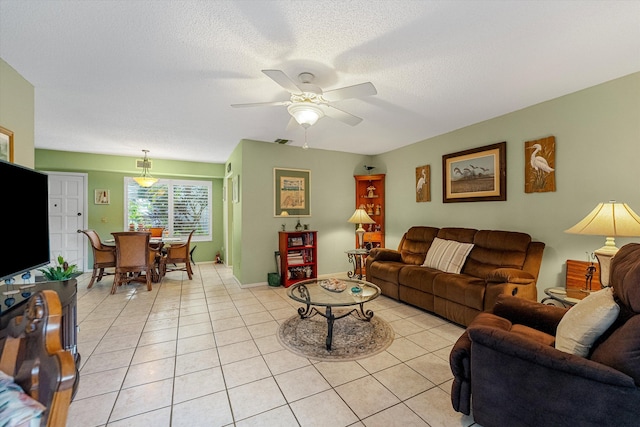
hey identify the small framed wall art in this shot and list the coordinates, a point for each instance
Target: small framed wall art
(6, 145)
(102, 197)
(291, 192)
(540, 163)
(423, 183)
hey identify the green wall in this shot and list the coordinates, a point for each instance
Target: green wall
(17, 112)
(597, 134)
(108, 172)
(332, 203)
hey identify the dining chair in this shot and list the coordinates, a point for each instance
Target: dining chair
(135, 259)
(104, 256)
(156, 231)
(177, 254)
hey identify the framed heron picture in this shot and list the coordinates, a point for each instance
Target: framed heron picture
(478, 174)
(540, 163)
(423, 183)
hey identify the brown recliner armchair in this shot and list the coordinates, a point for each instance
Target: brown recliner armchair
(508, 372)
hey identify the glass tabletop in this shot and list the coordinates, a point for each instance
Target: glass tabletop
(566, 295)
(327, 292)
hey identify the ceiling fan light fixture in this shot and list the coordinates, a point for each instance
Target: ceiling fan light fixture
(306, 114)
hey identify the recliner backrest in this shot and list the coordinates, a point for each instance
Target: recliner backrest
(496, 249)
(415, 243)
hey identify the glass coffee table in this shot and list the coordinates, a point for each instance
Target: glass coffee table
(565, 297)
(332, 293)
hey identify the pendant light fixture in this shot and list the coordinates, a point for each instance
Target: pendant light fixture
(145, 180)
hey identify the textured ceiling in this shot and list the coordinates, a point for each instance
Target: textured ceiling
(116, 77)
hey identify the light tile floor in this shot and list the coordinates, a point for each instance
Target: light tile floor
(204, 352)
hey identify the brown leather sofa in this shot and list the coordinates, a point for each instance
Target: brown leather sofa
(501, 262)
(507, 369)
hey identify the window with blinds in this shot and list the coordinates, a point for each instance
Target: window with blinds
(177, 205)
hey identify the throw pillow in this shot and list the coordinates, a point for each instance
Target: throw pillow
(447, 255)
(586, 321)
(16, 407)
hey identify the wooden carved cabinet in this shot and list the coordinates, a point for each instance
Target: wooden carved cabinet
(370, 197)
(298, 256)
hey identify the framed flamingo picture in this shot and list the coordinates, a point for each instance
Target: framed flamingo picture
(423, 183)
(540, 164)
(478, 174)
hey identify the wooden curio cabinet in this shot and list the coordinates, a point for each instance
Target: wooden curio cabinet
(370, 197)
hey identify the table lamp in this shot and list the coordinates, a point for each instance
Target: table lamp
(360, 217)
(610, 220)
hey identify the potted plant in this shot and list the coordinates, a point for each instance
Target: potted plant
(60, 272)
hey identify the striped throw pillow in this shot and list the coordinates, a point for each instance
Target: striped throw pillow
(447, 255)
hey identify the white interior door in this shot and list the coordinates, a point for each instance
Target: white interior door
(67, 215)
(227, 218)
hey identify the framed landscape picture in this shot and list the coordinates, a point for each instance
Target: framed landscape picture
(291, 192)
(478, 174)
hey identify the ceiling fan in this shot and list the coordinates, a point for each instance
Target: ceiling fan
(308, 103)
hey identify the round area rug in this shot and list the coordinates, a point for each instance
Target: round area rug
(352, 338)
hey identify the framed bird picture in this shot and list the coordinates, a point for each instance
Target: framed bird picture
(478, 174)
(540, 164)
(423, 183)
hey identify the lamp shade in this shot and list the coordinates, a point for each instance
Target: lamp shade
(360, 216)
(145, 180)
(609, 219)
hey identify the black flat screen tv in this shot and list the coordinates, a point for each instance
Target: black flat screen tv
(25, 218)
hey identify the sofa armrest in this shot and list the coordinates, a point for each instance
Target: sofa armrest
(536, 315)
(383, 254)
(510, 275)
(531, 352)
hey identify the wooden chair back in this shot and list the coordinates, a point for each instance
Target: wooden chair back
(134, 258)
(103, 256)
(156, 231)
(178, 254)
(132, 251)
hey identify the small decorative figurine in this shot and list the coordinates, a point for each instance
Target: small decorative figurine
(371, 190)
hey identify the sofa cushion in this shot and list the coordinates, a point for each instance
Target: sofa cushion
(418, 277)
(447, 255)
(586, 321)
(415, 244)
(621, 350)
(493, 249)
(387, 271)
(465, 290)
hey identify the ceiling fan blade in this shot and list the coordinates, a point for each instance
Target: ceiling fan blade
(283, 80)
(355, 91)
(338, 114)
(261, 104)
